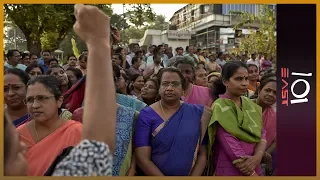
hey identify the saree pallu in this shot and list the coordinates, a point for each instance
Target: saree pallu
(22, 120)
(124, 130)
(174, 145)
(269, 118)
(42, 154)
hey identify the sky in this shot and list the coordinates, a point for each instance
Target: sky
(166, 10)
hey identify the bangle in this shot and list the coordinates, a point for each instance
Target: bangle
(264, 140)
(253, 173)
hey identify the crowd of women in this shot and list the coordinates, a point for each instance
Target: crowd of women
(156, 114)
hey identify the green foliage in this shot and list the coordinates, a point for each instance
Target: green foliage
(264, 39)
(49, 26)
(139, 14)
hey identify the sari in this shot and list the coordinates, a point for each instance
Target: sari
(20, 121)
(174, 142)
(42, 154)
(270, 124)
(130, 102)
(199, 95)
(124, 131)
(233, 133)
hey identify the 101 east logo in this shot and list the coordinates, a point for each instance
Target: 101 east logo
(298, 78)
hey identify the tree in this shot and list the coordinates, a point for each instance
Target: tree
(159, 23)
(262, 39)
(48, 25)
(139, 14)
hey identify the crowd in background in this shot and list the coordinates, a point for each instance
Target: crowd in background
(177, 113)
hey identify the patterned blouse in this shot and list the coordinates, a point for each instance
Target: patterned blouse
(89, 158)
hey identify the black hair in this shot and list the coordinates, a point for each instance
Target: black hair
(135, 77)
(227, 72)
(24, 55)
(172, 70)
(51, 83)
(24, 77)
(54, 59)
(138, 52)
(220, 54)
(201, 62)
(134, 60)
(116, 71)
(33, 54)
(32, 66)
(159, 46)
(185, 60)
(118, 50)
(10, 52)
(251, 64)
(77, 72)
(187, 48)
(82, 56)
(71, 55)
(268, 75)
(7, 139)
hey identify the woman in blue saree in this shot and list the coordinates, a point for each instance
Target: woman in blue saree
(170, 134)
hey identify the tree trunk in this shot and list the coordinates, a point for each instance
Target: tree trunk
(34, 45)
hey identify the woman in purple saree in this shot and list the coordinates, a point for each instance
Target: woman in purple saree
(170, 134)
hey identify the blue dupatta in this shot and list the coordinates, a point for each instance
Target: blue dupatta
(124, 127)
(174, 145)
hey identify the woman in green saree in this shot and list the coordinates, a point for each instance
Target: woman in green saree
(236, 135)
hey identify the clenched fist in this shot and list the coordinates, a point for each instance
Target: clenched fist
(92, 25)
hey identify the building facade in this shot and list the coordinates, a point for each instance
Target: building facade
(213, 24)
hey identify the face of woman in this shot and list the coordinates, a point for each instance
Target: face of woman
(149, 91)
(83, 63)
(211, 81)
(139, 83)
(170, 87)
(16, 163)
(123, 51)
(122, 84)
(253, 73)
(201, 78)
(268, 94)
(35, 72)
(60, 74)
(237, 85)
(41, 103)
(72, 77)
(187, 72)
(72, 61)
(14, 91)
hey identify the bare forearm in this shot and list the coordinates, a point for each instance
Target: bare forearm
(272, 147)
(259, 149)
(132, 170)
(149, 168)
(199, 166)
(99, 118)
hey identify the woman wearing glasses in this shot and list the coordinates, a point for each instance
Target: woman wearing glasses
(169, 138)
(48, 134)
